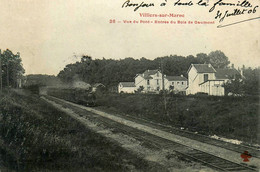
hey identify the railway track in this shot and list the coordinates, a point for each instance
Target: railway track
(189, 153)
(202, 138)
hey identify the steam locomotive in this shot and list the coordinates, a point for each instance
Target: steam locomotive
(75, 95)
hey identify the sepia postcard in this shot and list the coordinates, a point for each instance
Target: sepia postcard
(130, 85)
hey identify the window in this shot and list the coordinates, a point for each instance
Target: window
(148, 82)
(178, 83)
(157, 74)
(158, 88)
(182, 83)
(172, 83)
(157, 81)
(206, 77)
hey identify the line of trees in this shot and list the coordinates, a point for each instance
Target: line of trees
(11, 68)
(110, 72)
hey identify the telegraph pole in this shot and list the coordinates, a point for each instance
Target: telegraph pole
(1, 83)
(163, 87)
(7, 74)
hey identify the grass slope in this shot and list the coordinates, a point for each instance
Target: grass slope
(232, 117)
(34, 136)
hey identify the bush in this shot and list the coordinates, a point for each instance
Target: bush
(234, 117)
(34, 136)
(201, 94)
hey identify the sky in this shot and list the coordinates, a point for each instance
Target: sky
(52, 33)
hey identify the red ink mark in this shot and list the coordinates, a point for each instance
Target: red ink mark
(246, 156)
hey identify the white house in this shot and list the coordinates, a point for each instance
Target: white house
(126, 87)
(204, 78)
(178, 83)
(151, 81)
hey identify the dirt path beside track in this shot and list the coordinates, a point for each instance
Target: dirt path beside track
(165, 157)
(217, 151)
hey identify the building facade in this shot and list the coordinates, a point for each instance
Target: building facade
(176, 83)
(126, 87)
(203, 78)
(152, 81)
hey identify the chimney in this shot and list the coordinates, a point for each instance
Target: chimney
(232, 66)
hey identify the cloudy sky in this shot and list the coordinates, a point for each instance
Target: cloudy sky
(52, 33)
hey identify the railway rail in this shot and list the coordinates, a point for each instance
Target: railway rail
(189, 153)
(255, 152)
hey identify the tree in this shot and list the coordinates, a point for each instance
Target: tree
(203, 58)
(218, 59)
(110, 72)
(171, 88)
(11, 68)
(86, 59)
(235, 87)
(140, 89)
(247, 85)
(251, 81)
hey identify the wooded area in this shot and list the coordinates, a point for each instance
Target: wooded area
(110, 72)
(11, 68)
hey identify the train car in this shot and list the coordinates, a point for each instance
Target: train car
(75, 95)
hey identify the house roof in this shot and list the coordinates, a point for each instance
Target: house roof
(176, 78)
(127, 84)
(147, 74)
(203, 68)
(226, 73)
(150, 72)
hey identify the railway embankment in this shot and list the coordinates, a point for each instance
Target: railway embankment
(234, 118)
(35, 136)
(194, 144)
(227, 117)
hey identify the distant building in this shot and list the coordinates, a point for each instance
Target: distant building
(204, 78)
(178, 83)
(228, 74)
(151, 80)
(126, 87)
